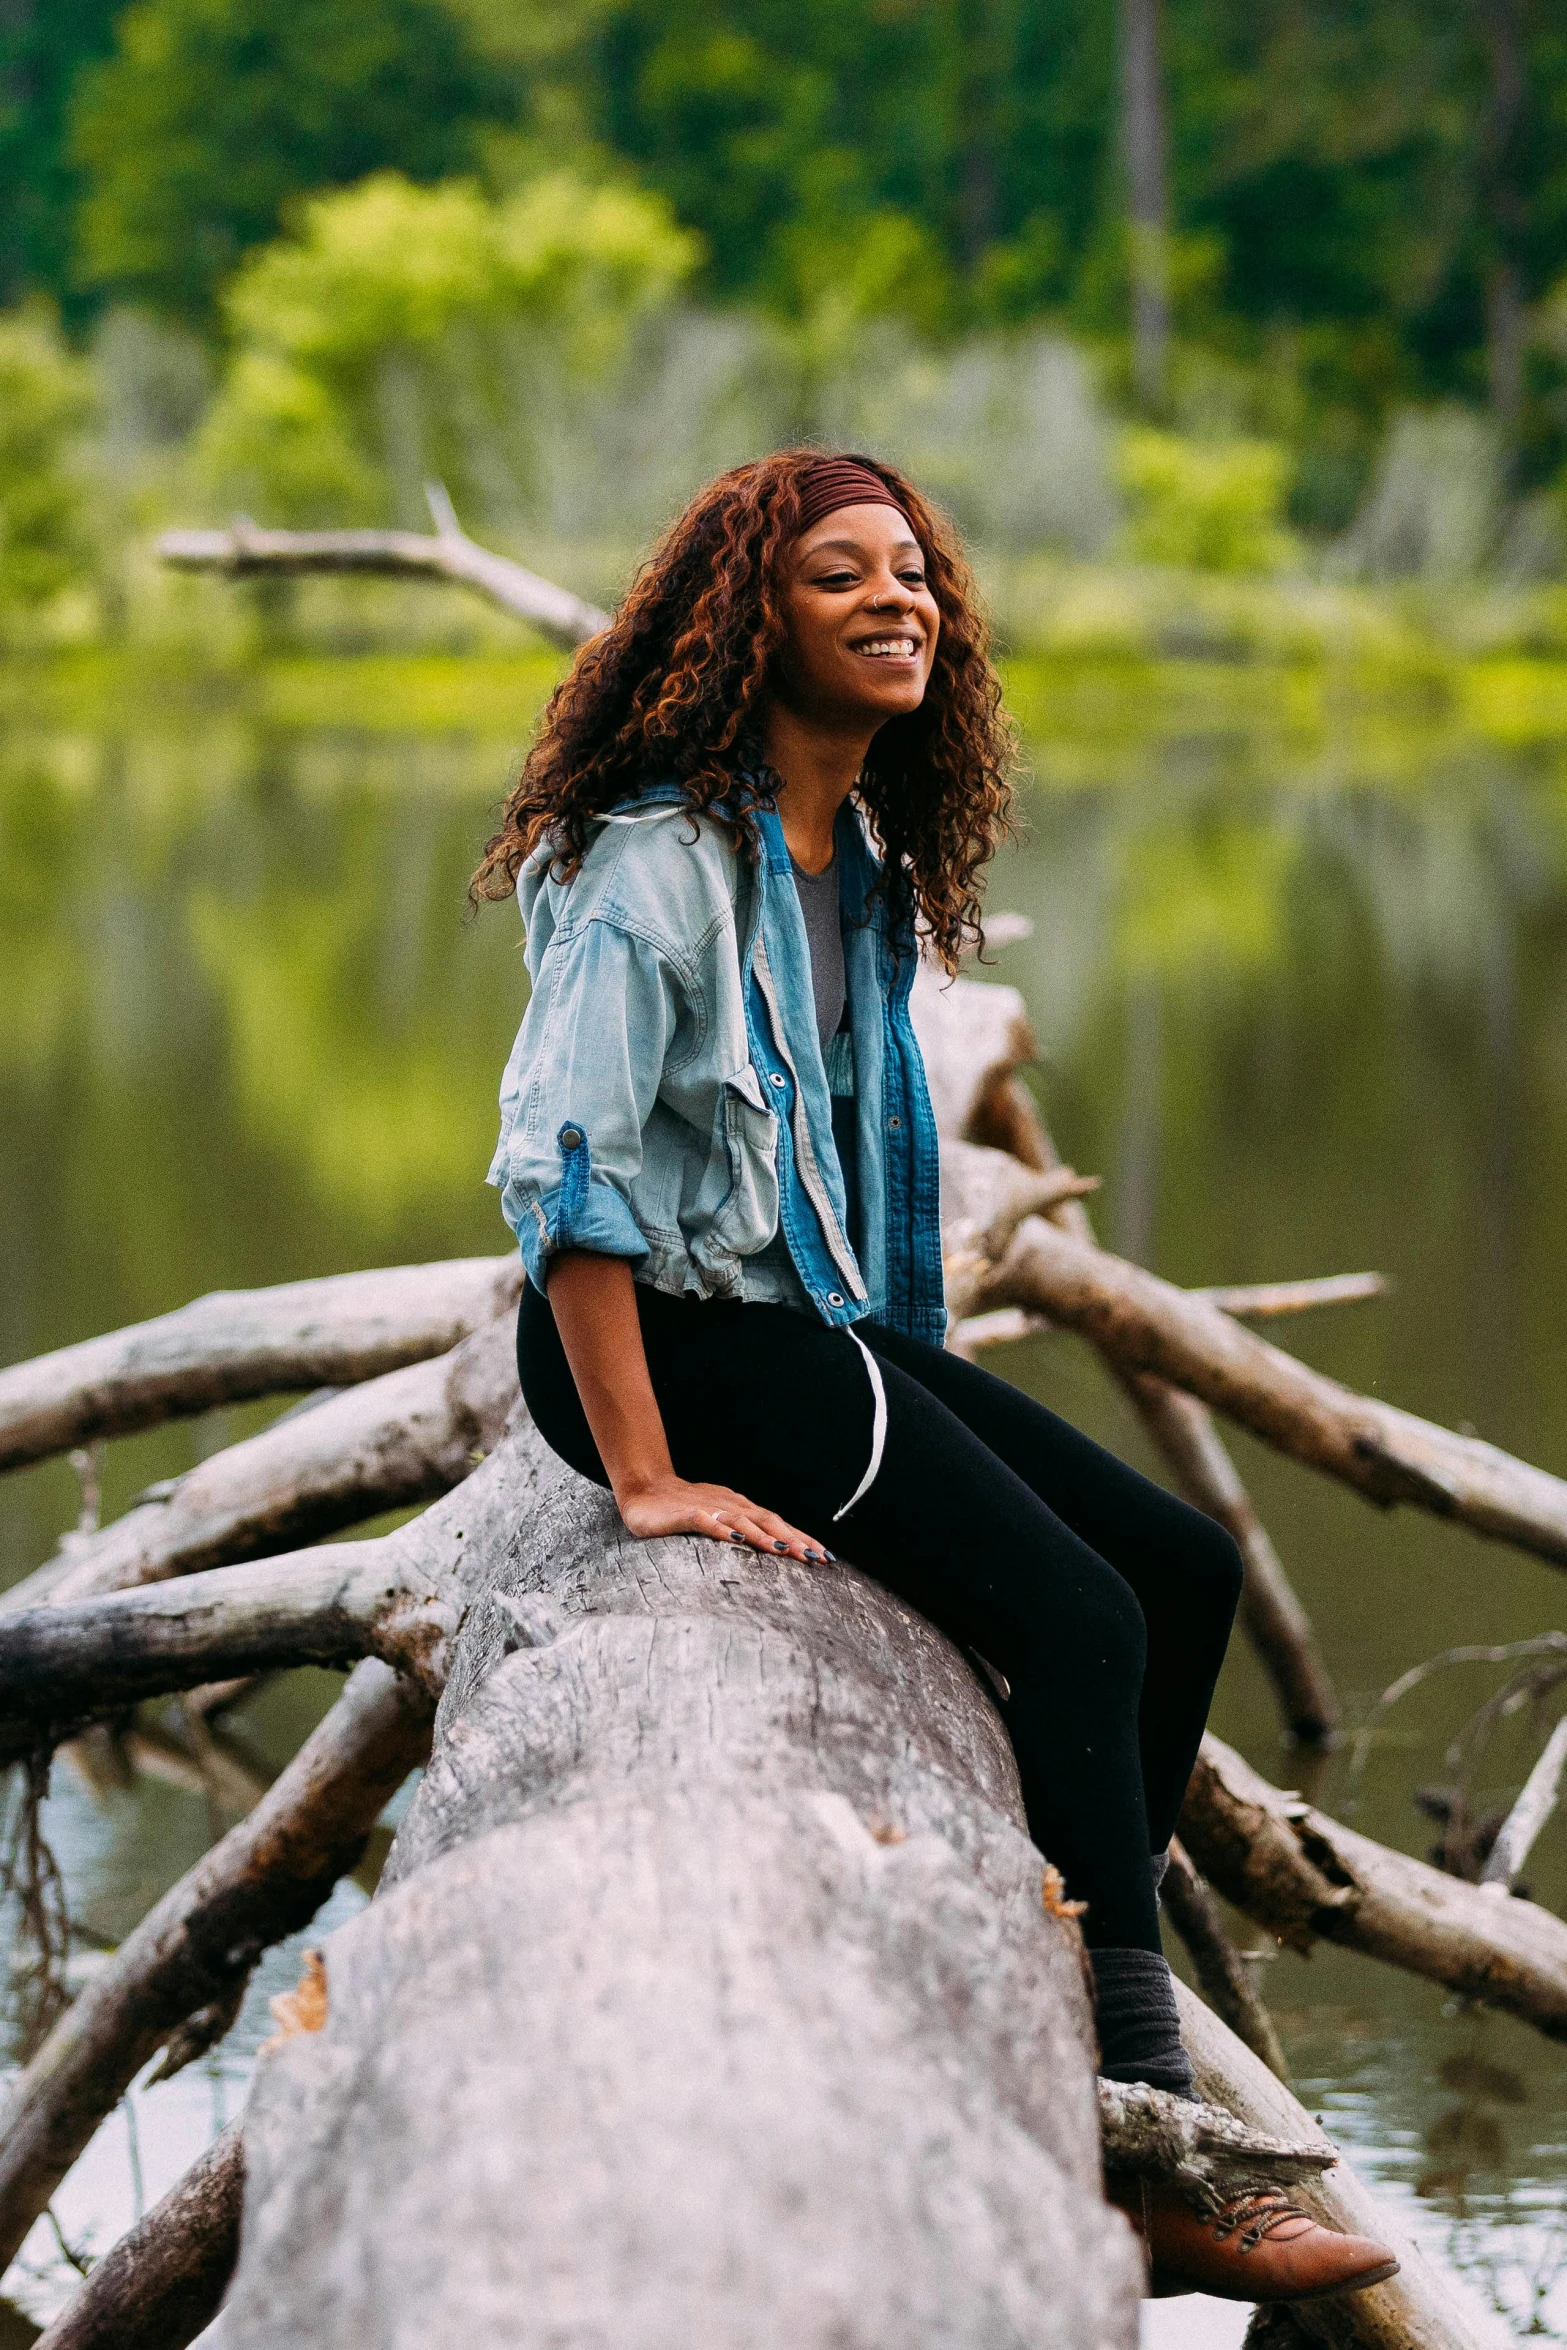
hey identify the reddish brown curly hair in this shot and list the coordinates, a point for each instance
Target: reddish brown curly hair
(677, 685)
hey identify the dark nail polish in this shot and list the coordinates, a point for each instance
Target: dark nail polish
(780, 1546)
(831, 1556)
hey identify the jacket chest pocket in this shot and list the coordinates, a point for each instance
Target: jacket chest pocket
(748, 1217)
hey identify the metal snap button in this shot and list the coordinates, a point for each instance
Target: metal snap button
(571, 1138)
(895, 1123)
(775, 1077)
(834, 1298)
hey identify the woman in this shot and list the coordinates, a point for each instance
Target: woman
(784, 757)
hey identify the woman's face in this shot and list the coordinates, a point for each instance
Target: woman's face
(862, 623)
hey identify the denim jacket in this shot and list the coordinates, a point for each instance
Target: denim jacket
(666, 1100)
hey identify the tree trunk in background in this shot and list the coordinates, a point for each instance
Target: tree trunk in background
(1505, 210)
(713, 1995)
(1143, 152)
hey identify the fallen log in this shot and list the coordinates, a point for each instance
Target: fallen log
(1305, 1876)
(1147, 2133)
(192, 1954)
(63, 1666)
(402, 1438)
(712, 1960)
(161, 2284)
(236, 1344)
(245, 552)
(1387, 1455)
(1425, 2307)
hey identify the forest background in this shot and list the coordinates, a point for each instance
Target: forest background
(1207, 289)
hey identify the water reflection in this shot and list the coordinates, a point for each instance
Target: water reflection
(1300, 998)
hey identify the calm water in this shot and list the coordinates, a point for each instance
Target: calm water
(1301, 999)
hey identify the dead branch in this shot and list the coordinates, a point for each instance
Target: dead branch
(402, 1438)
(1005, 1327)
(245, 552)
(1226, 1980)
(62, 1666)
(1305, 1876)
(234, 1344)
(1538, 1799)
(1264, 1299)
(1385, 1454)
(160, 2285)
(1201, 2148)
(1425, 2307)
(193, 1952)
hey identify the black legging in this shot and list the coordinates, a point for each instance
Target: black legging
(1102, 1600)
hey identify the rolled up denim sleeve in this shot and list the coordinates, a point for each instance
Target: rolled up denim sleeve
(587, 1067)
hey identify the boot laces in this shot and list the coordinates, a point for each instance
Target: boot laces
(1255, 2215)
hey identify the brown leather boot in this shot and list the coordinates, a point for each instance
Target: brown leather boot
(1258, 2247)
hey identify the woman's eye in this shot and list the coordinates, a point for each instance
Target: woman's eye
(835, 579)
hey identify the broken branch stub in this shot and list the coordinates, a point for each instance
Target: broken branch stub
(235, 1344)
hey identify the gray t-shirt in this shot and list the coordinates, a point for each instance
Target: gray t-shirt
(824, 932)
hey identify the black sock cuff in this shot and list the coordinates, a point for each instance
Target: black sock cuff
(1138, 2022)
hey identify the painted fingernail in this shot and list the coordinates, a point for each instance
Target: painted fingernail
(780, 1546)
(831, 1556)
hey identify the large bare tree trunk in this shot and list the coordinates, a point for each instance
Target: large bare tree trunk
(715, 1995)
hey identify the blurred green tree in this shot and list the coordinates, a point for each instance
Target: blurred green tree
(211, 114)
(399, 335)
(44, 395)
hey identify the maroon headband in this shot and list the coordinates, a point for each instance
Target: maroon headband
(840, 481)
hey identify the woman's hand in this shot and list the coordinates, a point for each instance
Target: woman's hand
(670, 1505)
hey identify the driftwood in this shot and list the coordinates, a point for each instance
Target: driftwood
(192, 1955)
(1536, 1801)
(235, 1344)
(245, 552)
(61, 1667)
(1225, 1978)
(1305, 1876)
(1387, 1455)
(161, 2283)
(712, 1957)
(404, 1437)
(712, 1960)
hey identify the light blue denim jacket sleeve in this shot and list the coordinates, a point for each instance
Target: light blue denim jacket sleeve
(581, 1087)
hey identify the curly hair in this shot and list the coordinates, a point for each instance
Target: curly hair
(677, 686)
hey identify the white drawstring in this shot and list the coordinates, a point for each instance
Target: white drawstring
(878, 1431)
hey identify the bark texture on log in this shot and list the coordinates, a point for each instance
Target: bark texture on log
(1305, 1876)
(160, 2285)
(404, 1437)
(1425, 2307)
(235, 1344)
(192, 1954)
(714, 1963)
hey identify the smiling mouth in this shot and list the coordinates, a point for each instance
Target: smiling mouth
(888, 648)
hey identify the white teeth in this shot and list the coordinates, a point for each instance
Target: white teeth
(897, 648)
